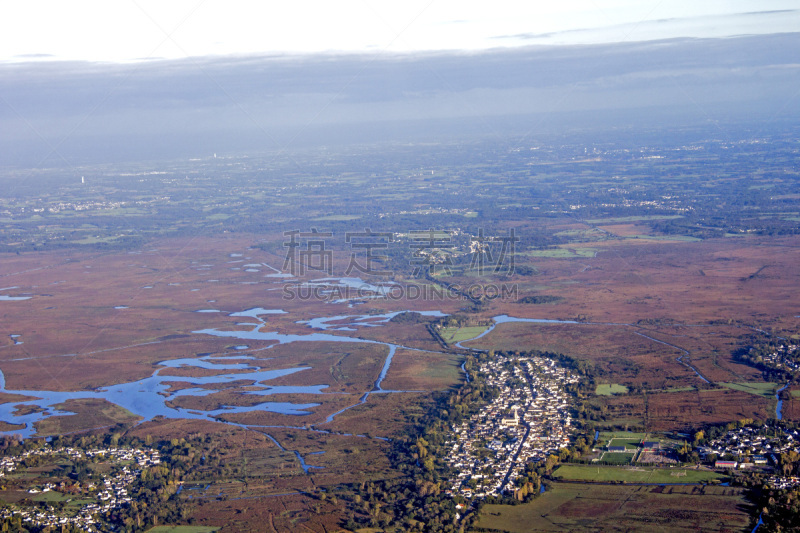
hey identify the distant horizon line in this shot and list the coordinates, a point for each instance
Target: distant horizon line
(51, 59)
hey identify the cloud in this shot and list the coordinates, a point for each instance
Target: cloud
(771, 12)
(696, 26)
(269, 101)
(33, 56)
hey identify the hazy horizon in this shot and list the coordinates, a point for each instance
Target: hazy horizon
(57, 113)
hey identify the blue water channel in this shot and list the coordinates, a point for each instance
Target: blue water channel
(759, 523)
(148, 397)
(350, 322)
(779, 406)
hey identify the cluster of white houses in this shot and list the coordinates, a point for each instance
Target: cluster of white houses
(784, 357)
(752, 446)
(109, 492)
(753, 443)
(783, 482)
(528, 419)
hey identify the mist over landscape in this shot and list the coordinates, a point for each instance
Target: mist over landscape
(82, 112)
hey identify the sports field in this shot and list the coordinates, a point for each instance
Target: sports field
(617, 458)
(634, 475)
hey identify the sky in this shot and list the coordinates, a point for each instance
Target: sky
(85, 81)
(139, 30)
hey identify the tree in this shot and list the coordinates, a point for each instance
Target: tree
(550, 462)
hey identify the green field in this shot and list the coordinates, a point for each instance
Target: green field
(618, 458)
(681, 238)
(631, 444)
(451, 335)
(581, 507)
(563, 253)
(632, 219)
(182, 529)
(631, 435)
(337, 218)
(630, 475)
(758, 388)
(609, 389)
(577, 232)
(50, 496)
(672, 389)
(679, 389)
(95, 240)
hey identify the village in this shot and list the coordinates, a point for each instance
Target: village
(782, 357)
(109, 492)
(528, 418)
(755, 447)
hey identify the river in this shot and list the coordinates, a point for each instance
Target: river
(149, 397)
(779, 406)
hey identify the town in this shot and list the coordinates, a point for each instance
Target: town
(528, 418)
(110, 491)
(754, 446)
(781, 357)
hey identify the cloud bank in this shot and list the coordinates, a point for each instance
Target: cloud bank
(79, 111)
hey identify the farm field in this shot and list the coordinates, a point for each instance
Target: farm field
(601, 508)
(423, 370)
(635, 474)
(564, 253)
(182, 529)
(618, 458)
(767, 390)
(609, 389)
(628, 435)
(454, 335)
(628, 443)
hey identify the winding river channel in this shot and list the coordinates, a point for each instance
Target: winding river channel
(151, 397)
